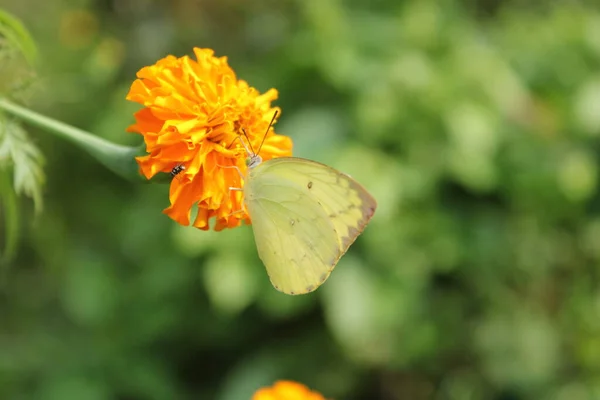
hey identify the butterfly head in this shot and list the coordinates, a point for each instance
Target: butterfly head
(253, 160)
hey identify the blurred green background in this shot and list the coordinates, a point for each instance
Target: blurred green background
(476, 126)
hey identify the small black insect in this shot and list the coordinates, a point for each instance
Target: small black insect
(177, 169)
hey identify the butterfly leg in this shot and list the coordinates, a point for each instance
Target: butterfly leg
(235, 167)
(231, 188)
(236, 212)
(243, 205)
(243, 209)
(241, 176)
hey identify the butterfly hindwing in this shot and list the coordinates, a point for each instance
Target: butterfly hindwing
(298, 251)
(304, 215)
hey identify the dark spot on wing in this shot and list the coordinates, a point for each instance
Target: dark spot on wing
(310, 288)
(324, 277)
(353, 231)
(309, 185)
(292, 222)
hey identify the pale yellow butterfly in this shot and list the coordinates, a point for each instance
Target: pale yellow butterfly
(305, 215)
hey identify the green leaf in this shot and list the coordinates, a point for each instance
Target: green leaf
(18, 54)
(17, 36)
(9, 218)
(18, 151)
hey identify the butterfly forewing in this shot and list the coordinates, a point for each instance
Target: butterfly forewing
(305, 215)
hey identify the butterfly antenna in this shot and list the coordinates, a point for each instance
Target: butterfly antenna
(232, 142)
(241, 141)
(269, 127)
(249, 142)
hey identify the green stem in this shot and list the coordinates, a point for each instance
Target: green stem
(116, 157)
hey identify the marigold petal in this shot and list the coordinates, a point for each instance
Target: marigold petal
(146, 122)
(287, 390)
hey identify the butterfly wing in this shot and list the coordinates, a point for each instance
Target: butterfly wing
(304, 215)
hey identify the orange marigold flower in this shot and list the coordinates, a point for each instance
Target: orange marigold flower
(194, 112)
(287, 390)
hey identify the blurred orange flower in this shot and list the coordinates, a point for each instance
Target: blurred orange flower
(287, 390)
(193, 113)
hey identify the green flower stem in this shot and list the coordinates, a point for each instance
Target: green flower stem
(118, 158)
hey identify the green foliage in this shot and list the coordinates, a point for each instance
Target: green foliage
(18, 55)
(18, 155)
(17, 36)
(9, 217)
(20, 158)
(475, 128)
(17, 151)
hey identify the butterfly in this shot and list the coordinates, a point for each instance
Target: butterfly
(305, 215)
